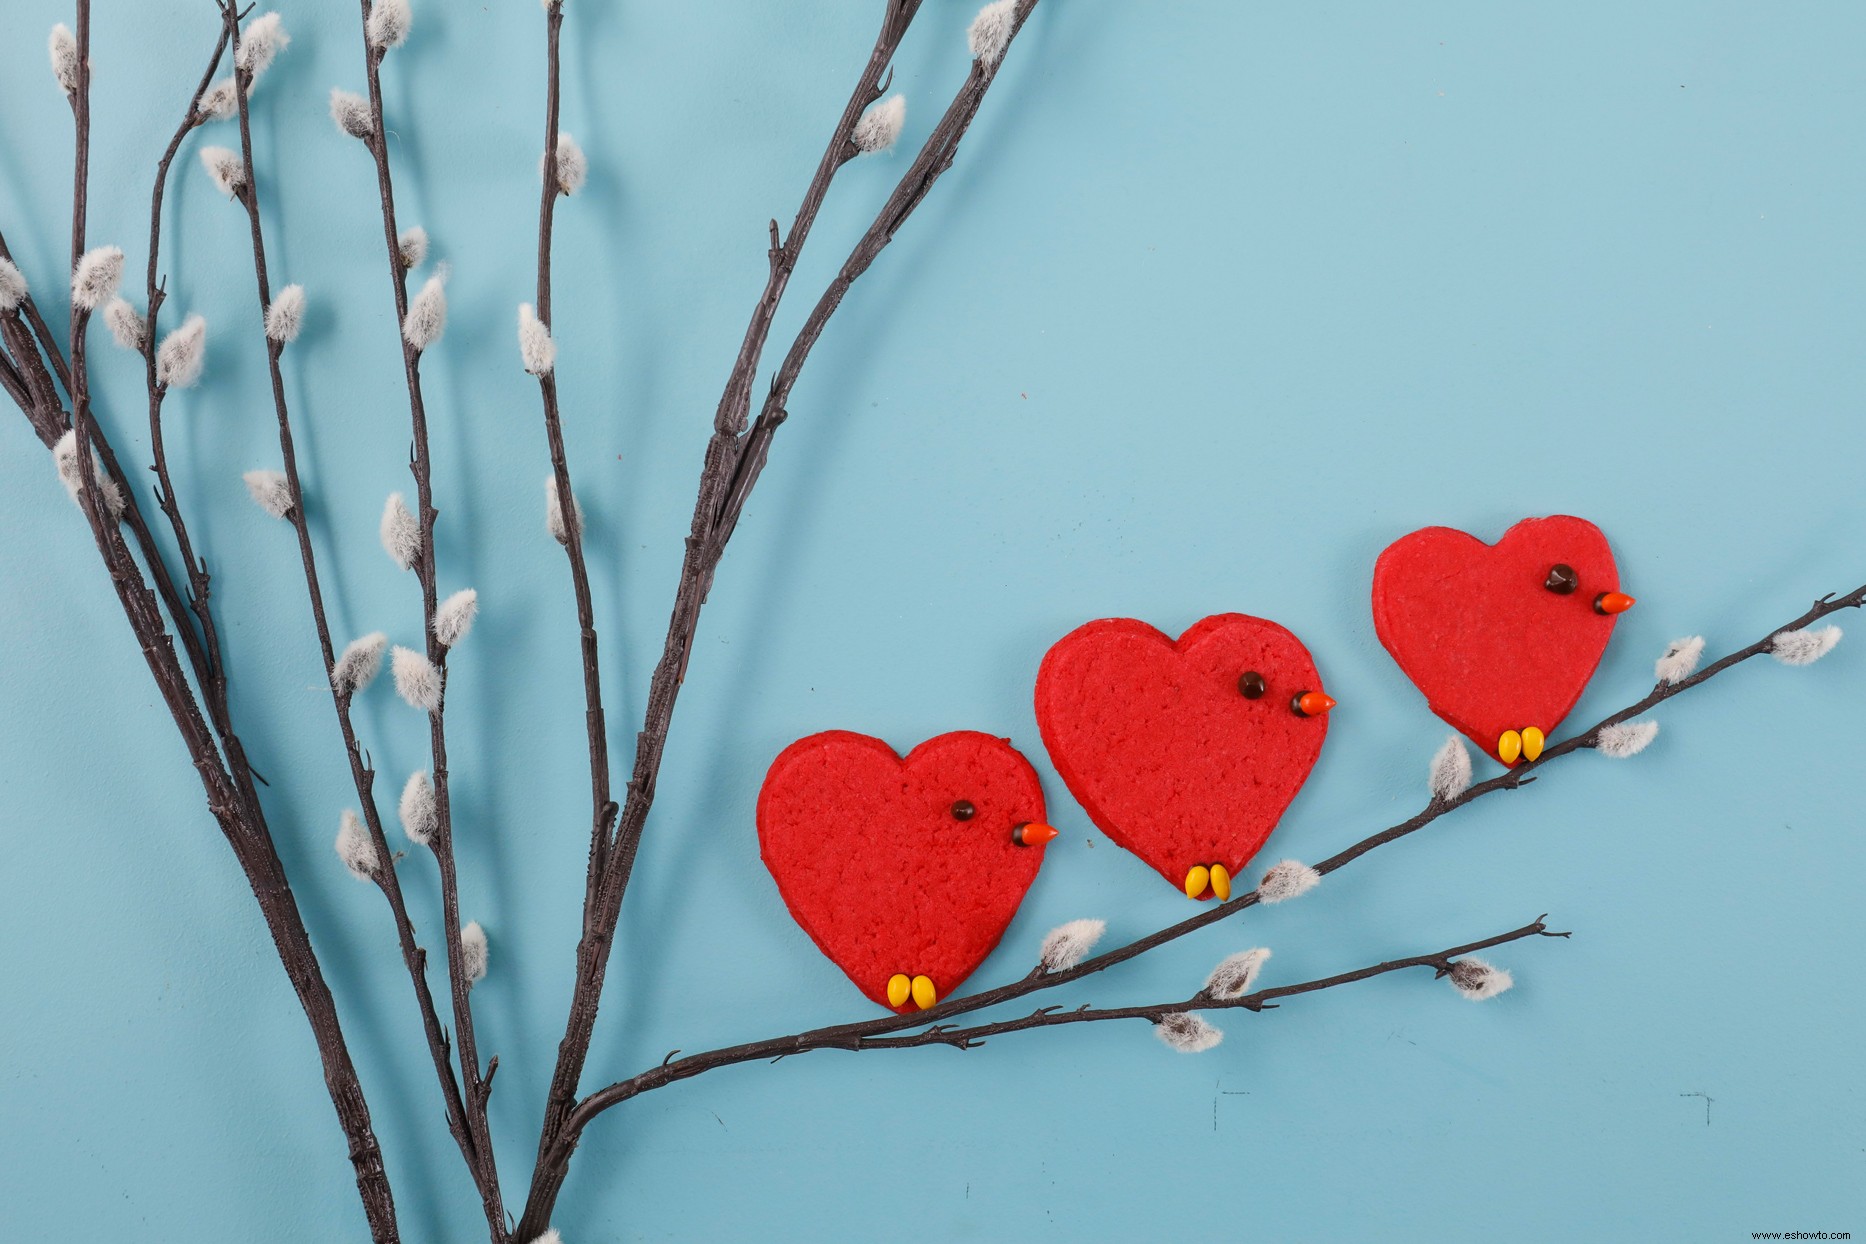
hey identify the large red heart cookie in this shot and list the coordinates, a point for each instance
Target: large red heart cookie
(1502, 637)
(1185, 753)
(902, 868)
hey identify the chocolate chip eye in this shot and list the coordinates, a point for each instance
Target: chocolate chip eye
(1251, 685)
(1562, 579)
(963, 810)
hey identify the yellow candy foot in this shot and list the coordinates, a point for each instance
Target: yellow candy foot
(1532, 743)
(1197, 878)
(1509, 747)
(899, 989)
(924, 993)
(1221, 882)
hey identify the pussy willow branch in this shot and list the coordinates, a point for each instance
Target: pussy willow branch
(25, 333)
(414, 958)
(598, 923)
(1262, 1000)
(47, 341)
(90, 497)
(854, 1037)
(603, 809)
(1038, 979)
(203, 647)
(209, 663)
(230, 797)
(475, 1086)
(710, 530)
(935, 157)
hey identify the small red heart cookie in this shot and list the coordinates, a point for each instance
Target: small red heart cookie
(1185, 753)
(902, 868)
(1502, 637)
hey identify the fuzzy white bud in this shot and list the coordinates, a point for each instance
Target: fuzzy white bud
(1187, 1033)
(417, 679)
(554, 512)
(880, 126)
(1477, 980)
(12, 286)
(535, 347)
(389, 21)
(573, 167)
(129, 329)
(1234, 976)
(271, 492)
(551, 1236)
(96, 277)
(351, 113)
(401, 534)
(63, 47)
(286, 316)
(454, 618)
(1680, 660)
(263, 39)
(412, 246)
(990, 32)
(224, 165)
(182, 354)
(419, 817)
(218, 102)
(1290, 879)
(357, 665)
(1450, 775)
(1626, 738)
(65, 457)
(427, 313)
(1804, 647)
(354, 847)
(474, 952)
(1069, 944)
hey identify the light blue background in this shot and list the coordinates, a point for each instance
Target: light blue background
(1219, 299)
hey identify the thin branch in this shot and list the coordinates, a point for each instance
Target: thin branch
(875, 1036)
(47, 341)
(603, 809)
(362, 776)
(1039, 979)
(230, 796)
(204, 645)
(473, 1085)
(936, 156)
(725, 455)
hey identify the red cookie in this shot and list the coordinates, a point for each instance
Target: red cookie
(1495, 635)
(1162, 746)
(883, 864)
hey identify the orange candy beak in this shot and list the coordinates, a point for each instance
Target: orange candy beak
(1613, 602)
(1312, 703)
(1033, 834)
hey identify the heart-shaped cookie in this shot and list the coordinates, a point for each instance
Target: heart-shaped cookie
(1502, 637)
(1185, 753)
(902, 871)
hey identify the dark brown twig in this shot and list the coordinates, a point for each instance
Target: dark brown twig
(474, 1085)
(203, 645)
(598, 922)
(603, 809)
(862, 1036)
(715, 511)
(362, 776)
(47, 341)
(230, 796)
(1040, 979)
